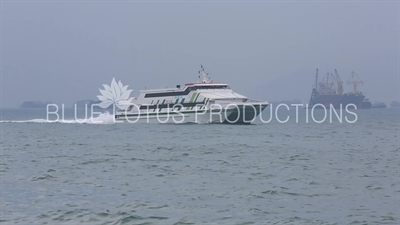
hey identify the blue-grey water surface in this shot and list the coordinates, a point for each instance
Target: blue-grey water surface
(267, 173)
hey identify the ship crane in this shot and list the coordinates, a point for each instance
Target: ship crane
(355, 81)
(326, 86)
(339, 83)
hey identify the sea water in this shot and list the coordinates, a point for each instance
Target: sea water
(74, 172)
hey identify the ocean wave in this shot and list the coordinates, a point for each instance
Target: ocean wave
(104, 118)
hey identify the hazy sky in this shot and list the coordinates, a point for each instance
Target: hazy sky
(64, 51)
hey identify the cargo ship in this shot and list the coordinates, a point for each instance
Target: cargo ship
(329, 93)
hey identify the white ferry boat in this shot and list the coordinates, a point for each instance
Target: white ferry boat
(200, 102)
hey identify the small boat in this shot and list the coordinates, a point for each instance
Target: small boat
(378, 105)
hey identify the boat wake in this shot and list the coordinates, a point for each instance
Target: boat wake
(104, 118)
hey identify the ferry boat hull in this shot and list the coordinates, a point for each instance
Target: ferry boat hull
(196, 116)
(233, 114)
(245, 114)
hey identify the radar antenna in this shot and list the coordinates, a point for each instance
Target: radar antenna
(206, 78)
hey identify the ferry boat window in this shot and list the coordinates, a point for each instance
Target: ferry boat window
(185, 92)
(212, 87)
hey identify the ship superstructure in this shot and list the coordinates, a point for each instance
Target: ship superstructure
(329, 92)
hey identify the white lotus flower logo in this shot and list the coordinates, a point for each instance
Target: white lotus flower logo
(114, 94)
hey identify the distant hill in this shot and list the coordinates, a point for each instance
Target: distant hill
(395, 104)
(84, 103)
(34, 104)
